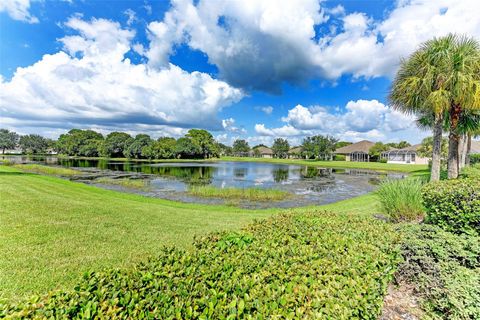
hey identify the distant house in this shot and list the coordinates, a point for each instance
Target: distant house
(295, 153)
(406, 155)
(358, 152)
(17, 150)
(262, 152)
(475, 148)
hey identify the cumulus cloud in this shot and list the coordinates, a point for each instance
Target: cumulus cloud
(90, 82)
(229, 126)
(362, 119)
(267, 110)
(261, 44)
(18, 10)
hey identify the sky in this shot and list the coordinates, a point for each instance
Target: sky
(249, 69)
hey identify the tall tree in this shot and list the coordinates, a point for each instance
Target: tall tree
(240, 147)
(185, 148)
(134, 149)
(280, 148)
(115, 144)
(441, 78)
(77, 142)
(8, 139)
(33, 144)
(204, 140)
(319, 146)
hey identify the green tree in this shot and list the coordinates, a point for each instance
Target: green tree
(426, 148)
(399, 145)
(440, 79)
(377, 149)
(79, 142)
(134, 149)
(204, 140)
(33, 144)
(115, 144)
(163, 148)
(341, 144)
(240, 147)
(319, 146)
(8, 139)
(280, 148)
(224, 150)
(185, 148)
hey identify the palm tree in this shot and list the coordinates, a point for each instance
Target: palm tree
(441, 80)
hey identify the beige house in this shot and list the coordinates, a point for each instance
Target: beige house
(262, 152)
(406, 155)
(295, 153)
(357, 151)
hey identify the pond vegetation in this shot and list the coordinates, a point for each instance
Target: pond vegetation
(251, 194)
(124, 182)
(48, 170)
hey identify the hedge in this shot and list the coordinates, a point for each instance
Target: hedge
(453, 205)
(309, 265)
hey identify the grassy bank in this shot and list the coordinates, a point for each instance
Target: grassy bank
(409, 168)
(52, 230)
(123, 182)
(251, 194)
(48, 170)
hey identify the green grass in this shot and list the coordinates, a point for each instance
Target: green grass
(409, 168)
(401, 199)
(124, 182)
(53, 230)
(251, 194)
(48, 170)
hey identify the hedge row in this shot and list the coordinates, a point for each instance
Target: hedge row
(310, 265)
(454, 205)
(444, 268)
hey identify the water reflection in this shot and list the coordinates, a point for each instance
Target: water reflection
(310, 185)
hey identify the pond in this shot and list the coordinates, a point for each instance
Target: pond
(308, 185)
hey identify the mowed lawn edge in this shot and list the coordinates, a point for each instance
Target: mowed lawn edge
(52, 230)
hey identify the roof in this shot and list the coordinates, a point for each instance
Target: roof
(264, 150)
(295, 150)
(475, 149)
(361, 146)
(413, 148)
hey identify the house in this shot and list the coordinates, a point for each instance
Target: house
(358, 152)
(475, 148)
(262, 152)
(406, 155)
(295, 153)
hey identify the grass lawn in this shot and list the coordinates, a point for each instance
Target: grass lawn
(52, 230)
(410, 168)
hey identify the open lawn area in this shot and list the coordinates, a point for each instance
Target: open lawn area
(410, 168)
(53, 230)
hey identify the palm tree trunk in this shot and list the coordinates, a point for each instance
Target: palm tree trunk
(454, 139)
(462, 143)
(469, 149)
(437, 148)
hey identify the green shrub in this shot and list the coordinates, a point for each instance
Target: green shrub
(475, 158)
(401, 199)
(340, 157)
(472, 171)
(453, 204)
(311, 265)
(383, 160)
(444, 269)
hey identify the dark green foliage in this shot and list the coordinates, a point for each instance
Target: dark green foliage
(377, 149)
(115, 144)
(78, 142)
(444, 269)
(319, 146)
(163, 148)
(33, 144)
(453, 204)
(8, 139)
(134, 149)
(399, 145)
(475, 158)
(472, 171)
(185, 148)
(204, 141)
(340, 157)
(240, 147)
(311, 265)
(280, 148)
(341, 144)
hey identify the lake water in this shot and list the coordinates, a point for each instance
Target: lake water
(309, 185)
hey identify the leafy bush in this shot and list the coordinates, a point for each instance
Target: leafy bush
(383, 160)
(310, 265)
(340, 157)
(472, 171)
(475, 158)
(444, 269)
(401, 199)
(453, 204)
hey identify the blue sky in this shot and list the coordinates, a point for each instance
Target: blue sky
(241, 69)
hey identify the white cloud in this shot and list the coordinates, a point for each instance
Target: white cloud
(229, 125)
(261, 44)
(362, 119)
(132, 17)
(267, 110)
(91, 83)
(18, 10)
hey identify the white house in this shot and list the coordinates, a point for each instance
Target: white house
(406, 155)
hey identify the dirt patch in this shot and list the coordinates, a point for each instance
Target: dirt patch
(400, 303)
